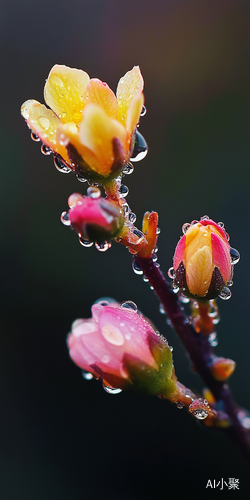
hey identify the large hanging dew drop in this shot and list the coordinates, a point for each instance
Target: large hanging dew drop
(111, 390)
(136, 268)
(130, 306)
(128, 169)
(103, 246)
(85, 243)
(235, 256)
(87, 375)
(45, 150)
(225, 293)
(140, 148)
(61, 166)
(65, 219)
(35, 137)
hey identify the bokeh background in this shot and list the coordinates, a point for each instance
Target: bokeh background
(61, 436)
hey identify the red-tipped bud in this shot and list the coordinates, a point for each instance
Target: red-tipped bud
(203, 260)
(95, 219)
(120, 346)
(222, 368)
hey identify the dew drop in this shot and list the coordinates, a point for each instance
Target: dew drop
(103, 302)
(61, 166)
(93, 192)
(212, 339)
(80, 178)
(132, 217)
(154, 257)
(63, 139)
(158, 230)
(138, 233)
(171, 348)
(35, 137)
(185, 227)
(175, 288)
(205, 217)
(128, 169)
(65, 219)
(123, 190)
(74, 199)
(143, 110)
(194, 222)
(140, 148)
(103, 246)
(161, 309)
(225, 293)
(45, 150)
(171, 273)
(87, 375)
(230, 283)
(43, 122)
(221, 224)
(151, 287)
(200, 414)
(136, 268)
(85, 243)
(184, 299)
(145, 279)
(130, 305)
(111, 390)
(179, 405)
(125, 208)
(235, 256)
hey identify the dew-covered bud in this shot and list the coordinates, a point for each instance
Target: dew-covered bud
(203, 265)
(122, 348)
(95, 219)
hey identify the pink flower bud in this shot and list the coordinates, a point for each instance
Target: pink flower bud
(121, 347)
(203, 264)
(95, 219)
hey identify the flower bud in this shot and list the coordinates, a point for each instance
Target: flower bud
(222, 368)
(95, 219)
(122, 348)
(202, 261)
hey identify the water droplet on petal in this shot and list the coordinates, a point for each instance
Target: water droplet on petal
(130, 305)
(104, 302)
(158, 230)
(143, 110)
(132, 217)
(171, 273)
(45, 150)
(140, 148)
(74, 199)
(235, 256)
(111, 390)
(145, 279)
(194, 222)
(35, 137)
(93, 192)
(128, 169)
(65, 219)
(87, 375)
(85, 243)
(136, 268)
(185, 227)
(205, 217)
(123, 190)
(61, 166)
(43, 122)
(103, 246)
(221, 224)
(225, 293)
(138, 233)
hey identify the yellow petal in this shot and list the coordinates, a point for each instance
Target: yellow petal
(43, 122)
(97, 132)
(98, 92)
(134, 112)
(197, 237)
(64, 90)
(129, 86)
(199, 269)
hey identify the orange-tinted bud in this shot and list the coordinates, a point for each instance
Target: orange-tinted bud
(222, 368)
(203, 260)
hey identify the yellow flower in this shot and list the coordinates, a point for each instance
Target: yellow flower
(88, 126)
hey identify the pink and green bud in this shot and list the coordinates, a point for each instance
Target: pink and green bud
(122, 348)
(203, 260)
(95, 219)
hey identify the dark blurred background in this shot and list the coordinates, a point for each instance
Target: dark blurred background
(63, 437)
